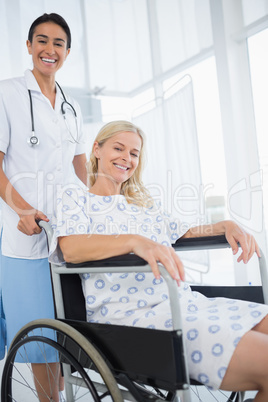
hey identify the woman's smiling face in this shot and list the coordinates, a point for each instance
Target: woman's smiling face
(118, 157)
(48, 48)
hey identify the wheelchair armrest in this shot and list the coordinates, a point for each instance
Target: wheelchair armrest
(128, 260)
(194, 243)
(124, 260)
(216, 242)
(198, 243)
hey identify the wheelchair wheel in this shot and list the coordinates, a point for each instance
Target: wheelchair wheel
(58, 342)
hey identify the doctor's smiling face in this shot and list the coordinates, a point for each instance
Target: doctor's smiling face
(48, 48)
(118, 158)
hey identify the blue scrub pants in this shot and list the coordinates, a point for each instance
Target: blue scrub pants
(26, 296)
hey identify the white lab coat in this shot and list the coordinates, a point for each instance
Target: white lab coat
(35, 172)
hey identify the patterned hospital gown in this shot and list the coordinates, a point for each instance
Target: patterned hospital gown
(212, 327)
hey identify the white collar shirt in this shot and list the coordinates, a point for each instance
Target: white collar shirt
(35, 172)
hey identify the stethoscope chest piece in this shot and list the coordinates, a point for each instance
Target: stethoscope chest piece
(33, 140)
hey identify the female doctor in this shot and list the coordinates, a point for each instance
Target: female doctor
(41, 144)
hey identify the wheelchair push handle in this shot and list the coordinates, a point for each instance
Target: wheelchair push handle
(47, 228)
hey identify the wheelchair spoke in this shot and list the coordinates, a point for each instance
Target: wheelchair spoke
(203, 394)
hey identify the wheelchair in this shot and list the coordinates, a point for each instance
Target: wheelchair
(102, 362)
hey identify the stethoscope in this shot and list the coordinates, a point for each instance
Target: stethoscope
(33, 140)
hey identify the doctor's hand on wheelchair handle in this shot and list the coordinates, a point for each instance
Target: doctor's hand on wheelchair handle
(28, 223)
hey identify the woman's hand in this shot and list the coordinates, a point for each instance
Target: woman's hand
(155, 253)
(27, 223)
(235, 234)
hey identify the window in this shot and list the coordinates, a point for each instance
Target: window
(208, 122)
(258, 58)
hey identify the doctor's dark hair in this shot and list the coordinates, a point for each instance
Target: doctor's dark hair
(133, 189)
(56, 19)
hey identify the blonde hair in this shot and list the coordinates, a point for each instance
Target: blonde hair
(133, 189)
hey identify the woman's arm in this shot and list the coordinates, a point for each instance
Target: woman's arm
(28, 215)
(79, 248)
(234, 234)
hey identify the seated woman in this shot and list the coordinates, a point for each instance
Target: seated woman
(226, 340)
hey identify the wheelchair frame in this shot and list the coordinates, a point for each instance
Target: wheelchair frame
(175, 380)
